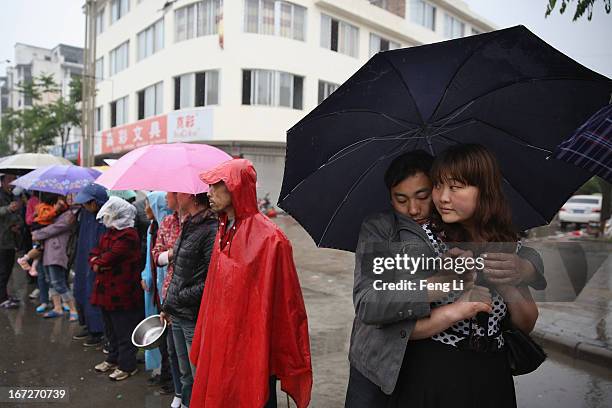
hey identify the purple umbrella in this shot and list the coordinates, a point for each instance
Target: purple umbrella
(58, 179)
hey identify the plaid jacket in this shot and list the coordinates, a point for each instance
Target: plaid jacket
(590, 147)
(167, 234)
(117, 283)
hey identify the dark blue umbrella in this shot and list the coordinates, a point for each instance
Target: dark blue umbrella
(508, 90)
(590, 147)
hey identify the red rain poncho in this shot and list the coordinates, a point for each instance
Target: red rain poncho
(252, 321)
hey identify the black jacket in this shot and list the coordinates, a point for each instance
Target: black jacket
(191, 258)
(141, 223)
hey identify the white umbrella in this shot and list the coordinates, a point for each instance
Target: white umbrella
(25, 162)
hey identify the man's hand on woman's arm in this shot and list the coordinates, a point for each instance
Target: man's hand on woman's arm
(524, 268)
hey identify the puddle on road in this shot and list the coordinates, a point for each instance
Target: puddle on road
(564, 382)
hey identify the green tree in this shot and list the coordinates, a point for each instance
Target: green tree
(582, 7)
(9, 123)
(29, 128)
(65, 114)
(50, 117)
(590, 187)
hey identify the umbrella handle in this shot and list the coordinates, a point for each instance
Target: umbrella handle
(288, 405)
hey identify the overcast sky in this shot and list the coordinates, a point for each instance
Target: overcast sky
(47, 23)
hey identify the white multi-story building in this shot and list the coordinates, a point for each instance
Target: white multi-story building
(238, 73)
(4, 91)
(63, 62)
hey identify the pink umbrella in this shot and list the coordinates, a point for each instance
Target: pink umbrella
(163, 167)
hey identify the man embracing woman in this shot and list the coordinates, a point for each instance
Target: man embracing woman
(430, 348)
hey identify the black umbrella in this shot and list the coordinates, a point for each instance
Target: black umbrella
(507, 90)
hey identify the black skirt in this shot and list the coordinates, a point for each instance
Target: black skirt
(435, 375)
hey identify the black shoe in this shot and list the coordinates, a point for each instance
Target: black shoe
(9, 304)
(83, 334)
(167, 389)
(105, 345)
(154, 380)
(92, 342)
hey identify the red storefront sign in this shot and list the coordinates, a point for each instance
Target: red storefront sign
(144, 132)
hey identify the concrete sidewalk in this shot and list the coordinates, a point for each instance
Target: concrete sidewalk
(582, 328)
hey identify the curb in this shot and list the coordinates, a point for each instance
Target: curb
(575, 348)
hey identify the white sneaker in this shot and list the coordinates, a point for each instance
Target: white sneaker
(176, 402)
(104, 367)
(119, 375)
(34, 294)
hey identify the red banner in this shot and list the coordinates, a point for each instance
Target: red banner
(144, 132)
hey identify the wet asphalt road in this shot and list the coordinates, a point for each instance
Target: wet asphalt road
(41, 353)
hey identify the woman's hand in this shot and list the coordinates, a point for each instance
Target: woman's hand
(60, 206)
(473, 301)
(476, 293)
(144, 285)
(163, 317)
(445, 277)
(459, 311)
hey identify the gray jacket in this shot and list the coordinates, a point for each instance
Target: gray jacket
(55, 237)
(8, 238)
(385, 319)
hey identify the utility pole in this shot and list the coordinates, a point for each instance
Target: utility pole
(89, 85)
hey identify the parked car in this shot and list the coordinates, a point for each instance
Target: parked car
(581, 210)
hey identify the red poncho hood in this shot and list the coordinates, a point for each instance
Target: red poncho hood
(252, 321)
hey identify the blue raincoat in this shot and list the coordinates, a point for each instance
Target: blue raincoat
(90, 232)
(157, 202)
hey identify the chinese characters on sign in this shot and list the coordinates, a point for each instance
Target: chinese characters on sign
(144, 132)
(190, 125)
